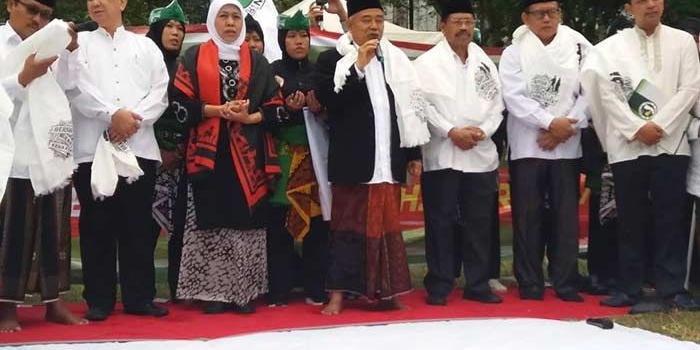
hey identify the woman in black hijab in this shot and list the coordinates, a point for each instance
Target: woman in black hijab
(167, 31)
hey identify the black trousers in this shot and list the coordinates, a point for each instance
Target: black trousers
(495, 250)
(602, 245)
(651, 199)
(695, 263)
(532, 180)
(119, 226)
(285, 268)
(445, 194)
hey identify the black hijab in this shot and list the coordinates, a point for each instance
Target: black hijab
(155, 32)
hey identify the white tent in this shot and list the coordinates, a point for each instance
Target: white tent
(411, 41)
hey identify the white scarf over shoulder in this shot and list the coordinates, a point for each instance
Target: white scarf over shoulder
(411, 108)
(552, 71)
(46, 148)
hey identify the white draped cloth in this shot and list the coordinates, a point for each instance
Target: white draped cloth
(411, 108)
(43, 131)
(540, 83)
(112, 160)
(460, 95)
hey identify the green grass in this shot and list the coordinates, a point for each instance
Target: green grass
(679, 325)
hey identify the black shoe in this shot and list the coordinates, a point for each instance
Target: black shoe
(97, 314)
(598, 289)
(645, 307)
(149, 309)
(214, 307)
(246, 309)
(619, 300)
(572, 297)
(482, 297)
(684, 302)
(531, 294)
(432, 299)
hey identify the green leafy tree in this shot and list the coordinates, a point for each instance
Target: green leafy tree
(499, 18)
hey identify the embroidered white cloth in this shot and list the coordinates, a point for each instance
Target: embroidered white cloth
(540, 83)
(462, 94)
(44, 129)
(7, 140)
(112, 161)
(411, 108)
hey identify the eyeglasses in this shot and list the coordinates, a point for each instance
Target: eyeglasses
(33, 10)
(551, 13)
(470, 23)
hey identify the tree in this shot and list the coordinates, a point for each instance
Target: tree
(499, 18)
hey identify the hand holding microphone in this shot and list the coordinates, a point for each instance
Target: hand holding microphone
(366, 52)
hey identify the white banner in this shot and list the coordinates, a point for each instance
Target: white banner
(265, 12)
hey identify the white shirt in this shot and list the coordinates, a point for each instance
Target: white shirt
(463, 108)
(126, 71)
(376, 86)
(668, 59)
(66, 71)
(694, 168)
(526, 117)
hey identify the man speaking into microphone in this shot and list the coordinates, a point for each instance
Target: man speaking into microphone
(376, 121)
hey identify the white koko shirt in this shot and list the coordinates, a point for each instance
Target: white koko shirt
(126, 71)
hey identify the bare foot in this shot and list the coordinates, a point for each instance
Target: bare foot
(8, 318)
(335, 305)
(56, 312)
(390, 304)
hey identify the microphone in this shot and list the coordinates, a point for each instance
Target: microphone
(378, 53)
(86, 27)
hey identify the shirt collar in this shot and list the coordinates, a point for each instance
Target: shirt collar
(643, 34)
(455, 57)
(8, 34)
(117, 32)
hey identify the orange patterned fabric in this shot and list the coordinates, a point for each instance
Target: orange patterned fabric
(302, 192)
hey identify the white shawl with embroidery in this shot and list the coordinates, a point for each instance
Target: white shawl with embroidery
(43, 132)
(401, 77)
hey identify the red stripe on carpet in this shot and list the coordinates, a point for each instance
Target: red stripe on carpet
(188, 322)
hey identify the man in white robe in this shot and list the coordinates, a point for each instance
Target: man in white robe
(460, 161)
(540, 77)
(35, 210)
(123, 85)
(642, 82)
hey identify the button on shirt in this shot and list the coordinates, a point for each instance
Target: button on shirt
(65, 69)
(126, 71)
(376, 86)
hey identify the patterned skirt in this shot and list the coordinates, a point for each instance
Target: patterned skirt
(367, 255)
(224, 265)
(165, 197)
(35, 241)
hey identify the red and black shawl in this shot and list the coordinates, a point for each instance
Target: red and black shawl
(198, 78)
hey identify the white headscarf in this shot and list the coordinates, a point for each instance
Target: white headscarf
(226, 51)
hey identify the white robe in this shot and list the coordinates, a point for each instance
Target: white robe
(461, 95)
(669, 60)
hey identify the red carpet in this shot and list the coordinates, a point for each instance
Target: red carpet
(187, 321)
